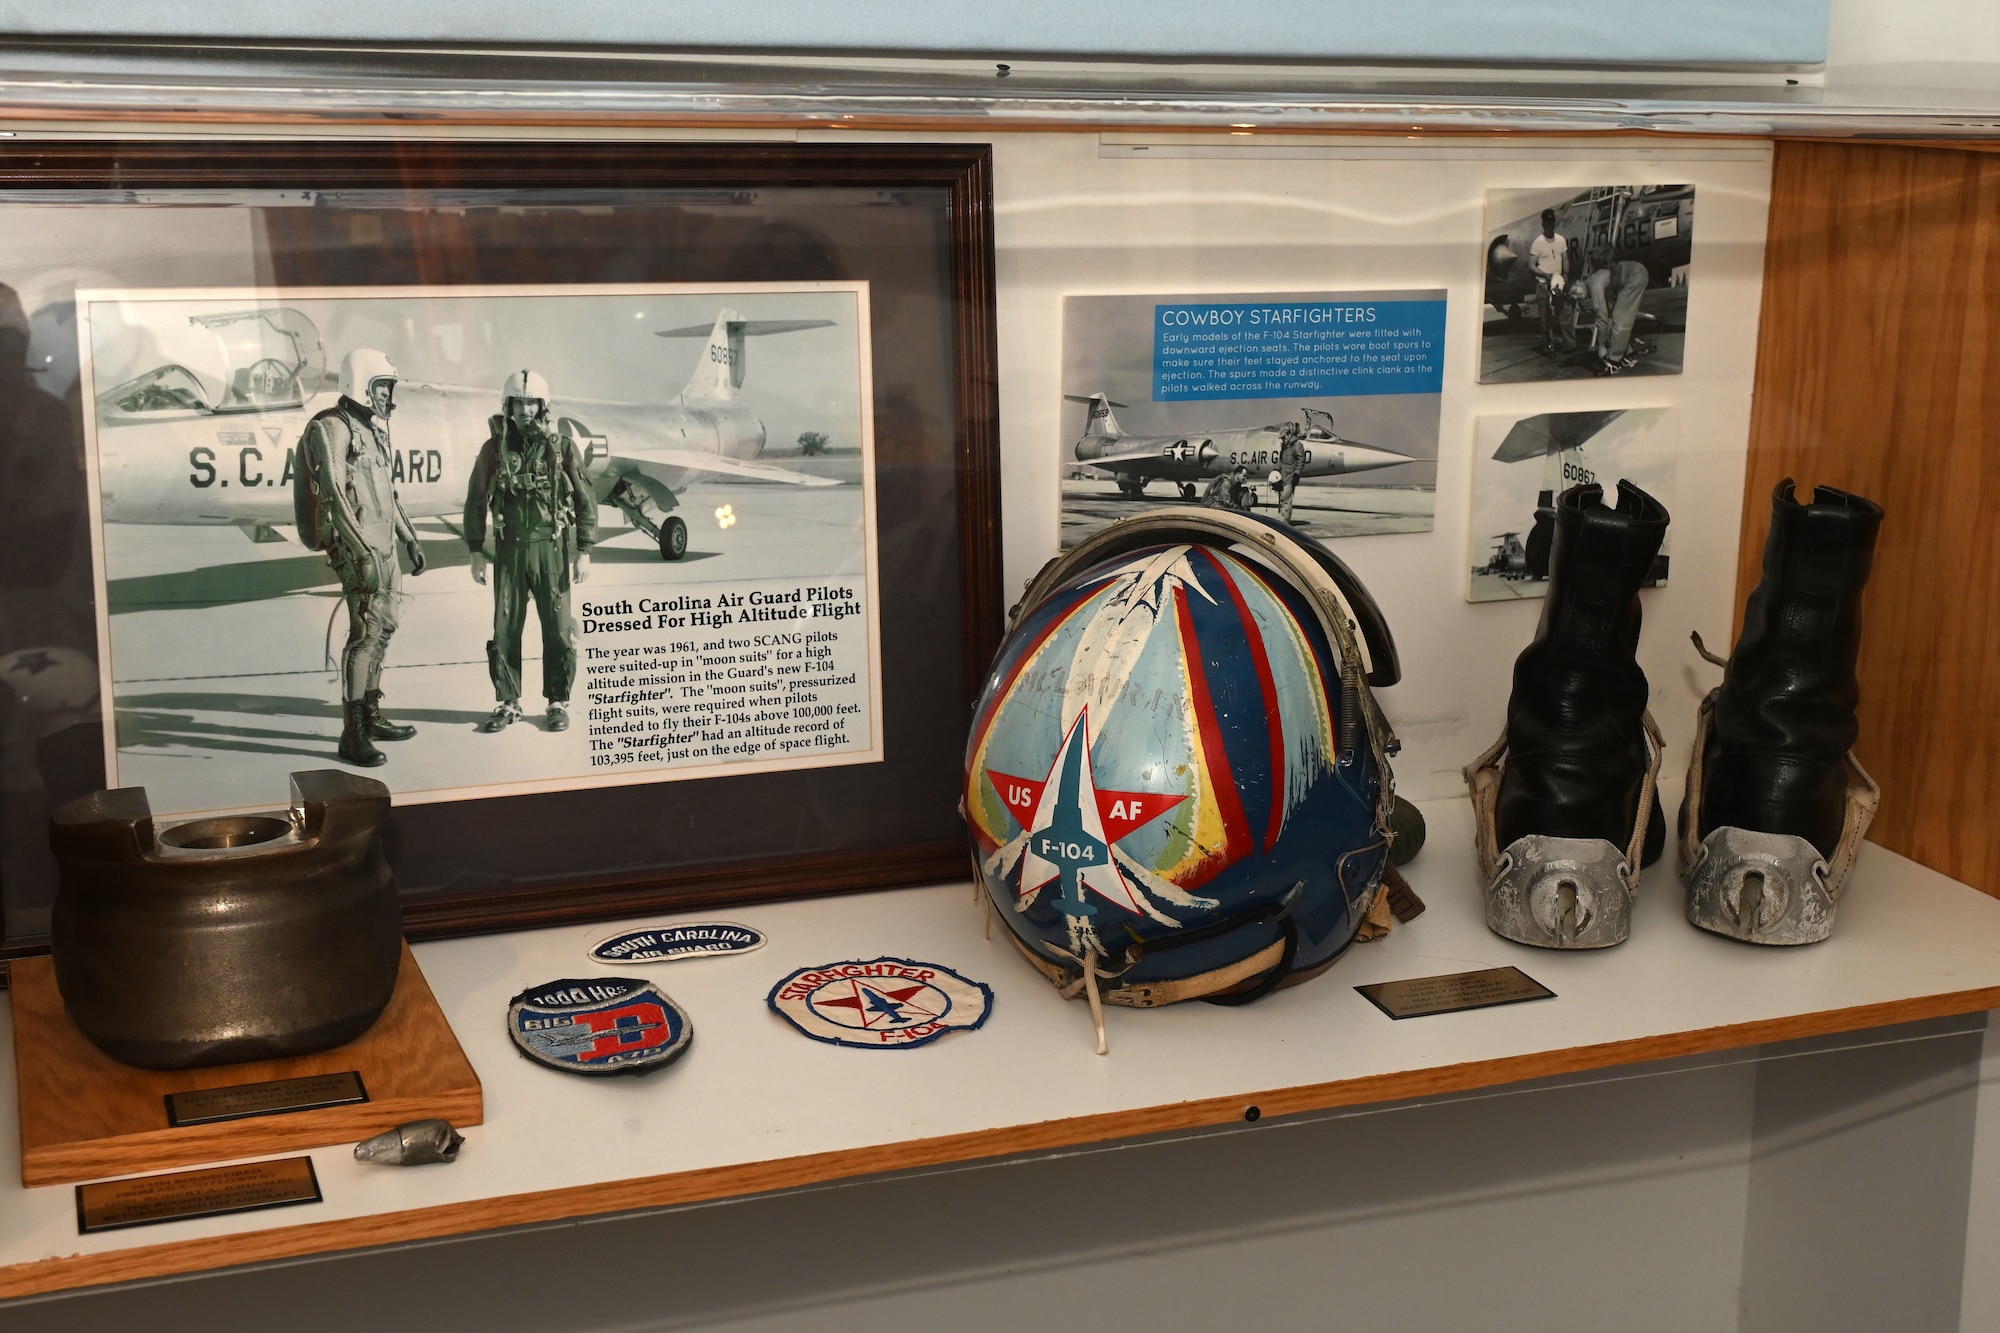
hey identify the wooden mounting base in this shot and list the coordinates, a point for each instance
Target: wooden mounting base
(84, 1115)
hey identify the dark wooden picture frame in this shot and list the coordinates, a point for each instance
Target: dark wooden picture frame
(913, 220)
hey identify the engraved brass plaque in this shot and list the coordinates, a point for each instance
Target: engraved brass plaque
(1421, 996)
(139, 1201)
(206, 1106)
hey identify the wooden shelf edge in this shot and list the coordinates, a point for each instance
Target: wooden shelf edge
(172, 1258)
(72, 1162)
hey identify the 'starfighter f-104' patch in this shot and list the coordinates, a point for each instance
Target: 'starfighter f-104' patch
(883, 1002)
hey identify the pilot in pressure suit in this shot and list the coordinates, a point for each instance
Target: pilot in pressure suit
(349, 464)
(1291, 466)
(532, 481)
(1229, 490)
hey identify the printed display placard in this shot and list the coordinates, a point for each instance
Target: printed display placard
(1192, 400)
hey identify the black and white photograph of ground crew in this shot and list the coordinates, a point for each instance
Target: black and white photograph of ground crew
(1583, 283)
(1521, 464)
(480, 541)
(1318, 408)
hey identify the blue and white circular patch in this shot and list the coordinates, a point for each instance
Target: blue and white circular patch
(884, 1002)
(663, 944)
(599, 1026)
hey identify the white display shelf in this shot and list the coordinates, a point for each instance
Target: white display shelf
(756, 1107)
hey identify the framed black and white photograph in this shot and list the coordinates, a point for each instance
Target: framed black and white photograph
(1586, 283)
(553, 570)
(631, 511)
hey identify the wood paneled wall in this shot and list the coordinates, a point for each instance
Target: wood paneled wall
(1878, 370)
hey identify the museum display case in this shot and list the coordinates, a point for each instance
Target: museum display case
(938, 321)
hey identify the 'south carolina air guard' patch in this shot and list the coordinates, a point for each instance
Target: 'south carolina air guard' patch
(884, 1002)
(599, 1026)
(663, 944)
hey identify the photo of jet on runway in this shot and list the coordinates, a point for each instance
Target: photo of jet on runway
(1187, 463)
(1586, 283)
(1521, 464)
(1136, 460)
(274, 368)
(223, 620)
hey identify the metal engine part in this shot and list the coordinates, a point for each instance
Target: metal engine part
(419, 1143)
(184, 943)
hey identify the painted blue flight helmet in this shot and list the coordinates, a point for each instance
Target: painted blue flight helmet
(1177, 781)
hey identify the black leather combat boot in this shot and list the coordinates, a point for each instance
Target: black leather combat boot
(1569, 790)
(1776, 804)
(355, 747)
(381, 728)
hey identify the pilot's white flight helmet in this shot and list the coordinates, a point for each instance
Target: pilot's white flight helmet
(524, 384)
(360, 371)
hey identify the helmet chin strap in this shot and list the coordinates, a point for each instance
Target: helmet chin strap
(1096, 1004)
(1264, 971)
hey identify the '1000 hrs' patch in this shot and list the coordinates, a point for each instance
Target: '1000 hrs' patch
(599, 1026)
(880, 1003)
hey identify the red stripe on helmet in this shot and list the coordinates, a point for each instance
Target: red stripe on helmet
(1320, 672)
(1237, 842)
(1269, 685)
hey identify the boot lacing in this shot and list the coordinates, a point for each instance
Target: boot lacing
(1706, 655)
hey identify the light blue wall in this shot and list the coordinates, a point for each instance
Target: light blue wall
(1535, 31)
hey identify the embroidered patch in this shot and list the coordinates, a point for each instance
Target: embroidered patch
(599, 1026)
(663, 944)
(883, 1002)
